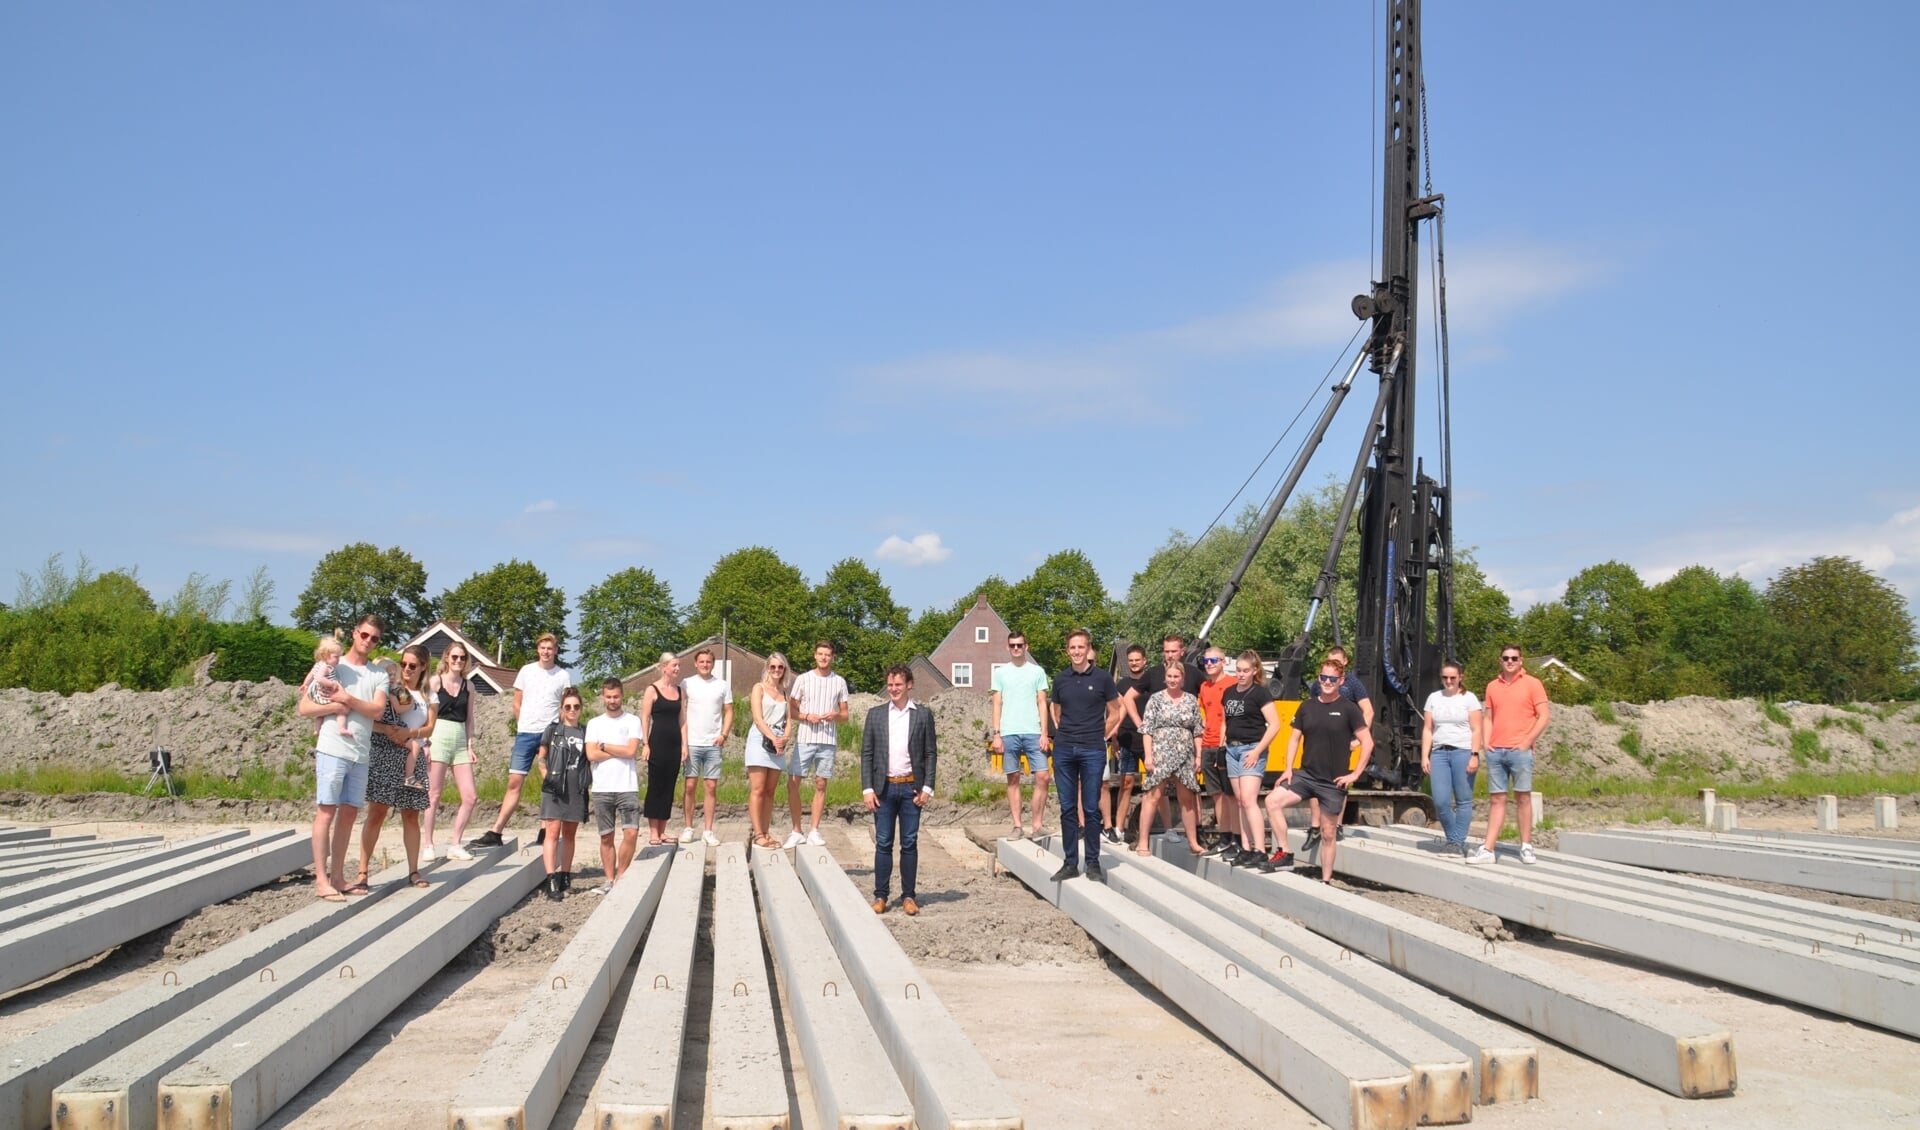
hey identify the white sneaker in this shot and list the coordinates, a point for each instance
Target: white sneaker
(687, 834)
(602, 889)
(1526, 854)
(711, 839)
(794, 840)
(1481, 855)
(435, 851)
(816, 839)
(458, 852)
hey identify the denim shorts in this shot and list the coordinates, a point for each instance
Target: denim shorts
(815, 759)
(703, 762)
(1017, 744)
(1237, 762)
(525, 745)
(1509, 770)
(616, 812)
(339, 781)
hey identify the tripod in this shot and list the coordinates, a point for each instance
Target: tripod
(160, 759)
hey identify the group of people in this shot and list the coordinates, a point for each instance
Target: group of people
(1213, 726)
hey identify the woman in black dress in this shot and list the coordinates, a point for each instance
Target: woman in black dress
(663, 740)
(388, 784)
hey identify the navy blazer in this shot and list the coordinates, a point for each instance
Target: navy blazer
(922, 748)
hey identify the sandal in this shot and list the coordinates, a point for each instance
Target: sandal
(766, 842)
(416, 880)
(359, 885)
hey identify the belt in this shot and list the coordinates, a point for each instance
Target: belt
(907, 780)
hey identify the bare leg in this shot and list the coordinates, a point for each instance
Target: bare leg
(342, 840)
(793, 800)
(1253, 830)
(436, 784)
(1525, 815)
(1013, 803)
(712, 798)
(759, 801)
(607, 858)
(550, 845)
(323, 820)
(370, 835)
(1120, 809)
(463, 779)
(569, 832)
(1040, 782)
(1496, 818)
(1329, 841)
(629, 843)
(819, 802)
(693, 784)
(1190, 816)
(1147, 804)
(509, 802)
(410, 837)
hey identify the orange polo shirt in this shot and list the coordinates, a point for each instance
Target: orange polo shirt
(1212, 717)
(1513, 708)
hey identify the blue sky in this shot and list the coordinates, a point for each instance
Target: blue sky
(946, 289)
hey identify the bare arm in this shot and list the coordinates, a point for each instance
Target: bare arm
(1477, 720)
(1048, 720)
(998, 745)
(1539, 724)
(518, 696)
(1366, 751)
(726, 722)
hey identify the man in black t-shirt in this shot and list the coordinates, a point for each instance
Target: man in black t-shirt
(1328, 726)
(1123, 768)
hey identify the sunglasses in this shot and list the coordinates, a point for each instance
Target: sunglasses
(456, 658)
(410, 665)
(1449, 678)
(369, 636)
(569, 706)
(1211, 662)
(1509, 659)
(1329, 678)
(1016, 647)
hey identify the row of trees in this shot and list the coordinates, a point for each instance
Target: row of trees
(74, 630)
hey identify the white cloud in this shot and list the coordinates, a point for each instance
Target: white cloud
(924, 549)
(262, 541)
(1122, 379)
(544, 506)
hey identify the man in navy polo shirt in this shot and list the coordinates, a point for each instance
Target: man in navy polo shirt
(1086, 711)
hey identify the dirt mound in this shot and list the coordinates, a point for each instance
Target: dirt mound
(1736, 739)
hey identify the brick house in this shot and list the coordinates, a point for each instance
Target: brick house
(748, 668)
(488, 676)
(969, 653)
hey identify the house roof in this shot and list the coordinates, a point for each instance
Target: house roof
(481, 656)
(980, 604)
(711, 642)
(1545, 663)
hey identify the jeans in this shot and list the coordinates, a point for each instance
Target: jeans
(1509, 770)
(1452, 791)
(1016, 744)
(1077, 770)
(896, 805)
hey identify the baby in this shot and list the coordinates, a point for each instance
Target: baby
(321, 686)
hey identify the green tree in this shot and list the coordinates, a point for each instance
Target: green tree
(626, 621)
(1062, 593)
(1482, 619)
(772, 607)
(359, 579)
(509, 607)
(256, 601)
(1720, 639)
(855, 609)
(1848, 632)
(52, 585)
(927, 630)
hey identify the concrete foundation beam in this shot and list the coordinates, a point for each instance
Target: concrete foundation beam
(118, 1092)
(639, 1084)
(1678, 1052)
(853, 1084)
(31, 1068)
(99, 880)
(23, 835)
(1735, 861)
(1338, 1077)
(50, 843)
(524, 1075)
(746, 1081)
(945, 1078)
(1886, 813)
(1703, 899)
(76, 933)
(1446, 1080)
(1862, 988)
(1868, 848)
(1726, 817)
(1707, 799)
(1826, 813)
(239, 1083)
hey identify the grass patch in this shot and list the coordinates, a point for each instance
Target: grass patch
(256, 782)
(1663, 810)
(1798, 785)
(1774, 714)
(1603, 711)
(1630, 744)
(1806, 748)
(976, 790)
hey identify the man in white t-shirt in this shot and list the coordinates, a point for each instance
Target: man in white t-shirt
(820, 703)
(613, 741)
(1020, 718)
(709, 707)
(536, 702)
(340, 760)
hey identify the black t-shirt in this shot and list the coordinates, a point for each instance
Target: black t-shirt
(1155, 680)
(568, 772)
(1082, 698)
(1122, 684)
(1328, 730)
(1244, 711)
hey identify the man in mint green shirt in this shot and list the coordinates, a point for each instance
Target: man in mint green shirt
(1020, 727)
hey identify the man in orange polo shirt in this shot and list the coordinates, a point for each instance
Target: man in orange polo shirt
(1213, 750)
(1516, 706)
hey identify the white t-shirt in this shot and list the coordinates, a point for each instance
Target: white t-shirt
(615, 774)
(814, 693)
(706, 709)
(540, 692)
(363, 683)
(1449, 713)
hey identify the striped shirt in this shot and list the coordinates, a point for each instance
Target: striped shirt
(814, 693)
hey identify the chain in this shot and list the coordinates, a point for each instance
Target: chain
(1426, 152)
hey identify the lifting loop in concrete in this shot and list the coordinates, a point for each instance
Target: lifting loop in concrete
(172, 974)
(660, 982)
(346, 973)
(911, 991)
(1286, 961)
(267, 974)
(1231, 970)
(740, 989)
(558, 983)
(834, 985)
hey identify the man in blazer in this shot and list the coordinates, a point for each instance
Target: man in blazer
(897, 756)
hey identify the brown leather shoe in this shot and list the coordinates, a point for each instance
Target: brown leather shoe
(879, 906)
(911, 907)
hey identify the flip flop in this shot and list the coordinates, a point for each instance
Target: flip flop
(358, 886)
(330, 896)
(417, 881)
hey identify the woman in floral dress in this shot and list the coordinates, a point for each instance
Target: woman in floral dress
(1170, 729)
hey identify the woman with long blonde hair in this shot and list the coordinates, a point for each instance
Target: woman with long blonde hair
(767, 746)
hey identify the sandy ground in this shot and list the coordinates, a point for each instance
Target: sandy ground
(1078, 1038)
